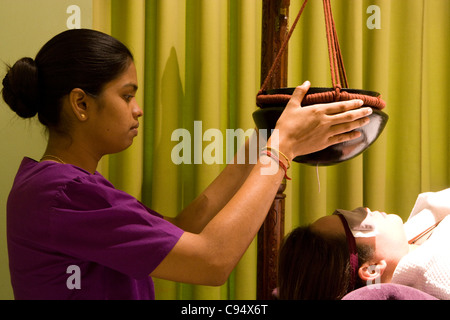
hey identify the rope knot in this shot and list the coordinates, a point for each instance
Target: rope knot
(337, 93)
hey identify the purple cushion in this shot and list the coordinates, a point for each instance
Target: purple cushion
(388, 291)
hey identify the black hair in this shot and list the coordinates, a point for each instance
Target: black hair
(312, 266)
(80, 58)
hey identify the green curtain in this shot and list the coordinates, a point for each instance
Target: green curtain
(199, 60)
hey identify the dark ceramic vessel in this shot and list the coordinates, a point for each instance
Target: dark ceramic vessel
(267, 115)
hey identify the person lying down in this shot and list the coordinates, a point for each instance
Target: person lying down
(350, 249)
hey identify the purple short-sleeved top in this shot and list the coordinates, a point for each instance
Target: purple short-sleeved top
(72, 235)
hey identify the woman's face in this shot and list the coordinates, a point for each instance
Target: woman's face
(389, 241)
(115, 119)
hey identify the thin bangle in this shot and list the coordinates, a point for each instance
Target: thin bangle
(279, 153)
(280, 163)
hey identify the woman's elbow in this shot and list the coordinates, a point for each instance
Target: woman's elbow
(218, 273)
(216, 281)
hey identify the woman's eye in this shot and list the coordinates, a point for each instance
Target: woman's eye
(128, 98)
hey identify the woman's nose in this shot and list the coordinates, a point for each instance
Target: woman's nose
(137, 111)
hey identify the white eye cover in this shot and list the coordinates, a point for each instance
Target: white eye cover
(360, 222)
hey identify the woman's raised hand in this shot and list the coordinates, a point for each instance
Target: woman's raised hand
(303, 130)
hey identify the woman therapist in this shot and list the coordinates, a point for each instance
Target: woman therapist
(64, 217)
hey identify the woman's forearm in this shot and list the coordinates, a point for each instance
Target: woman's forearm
(199, 212)
(245, 212)
(209, 257)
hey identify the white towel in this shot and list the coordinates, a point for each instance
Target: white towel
(427, 268)
(430, 207)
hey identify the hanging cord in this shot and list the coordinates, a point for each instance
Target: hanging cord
(339, 77)
(317, 175)
(277, 60)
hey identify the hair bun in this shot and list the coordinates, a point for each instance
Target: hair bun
(21, 88)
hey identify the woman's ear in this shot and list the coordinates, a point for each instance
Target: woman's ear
(78, 103)
(369, 272)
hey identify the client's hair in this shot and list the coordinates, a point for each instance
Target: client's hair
(314, 267)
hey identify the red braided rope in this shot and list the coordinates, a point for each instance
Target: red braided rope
(321, 97)
(338, 75)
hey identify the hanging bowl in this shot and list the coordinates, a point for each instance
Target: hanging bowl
(269, 111)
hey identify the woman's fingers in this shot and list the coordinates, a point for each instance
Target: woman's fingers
(351, 115)
(313, 128)
(298, 95)
(339, 112)
(344, 137)
(335, 108)
(348, 126)
(344, 123)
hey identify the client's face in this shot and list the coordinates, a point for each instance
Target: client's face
(383, 232)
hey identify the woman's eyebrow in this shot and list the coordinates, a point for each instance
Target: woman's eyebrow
(132, 85)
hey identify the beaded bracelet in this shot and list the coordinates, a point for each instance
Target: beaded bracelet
(280, 163)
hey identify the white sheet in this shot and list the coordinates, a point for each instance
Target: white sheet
(430, 207)
(427, 268)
